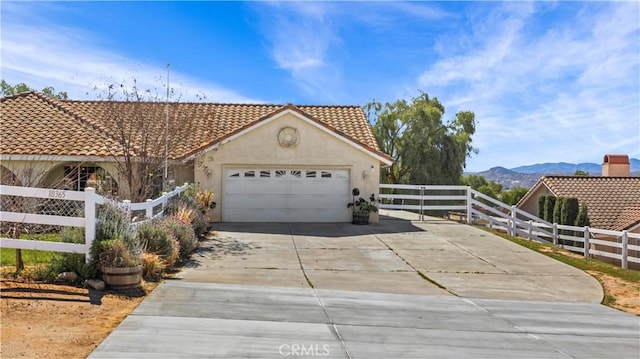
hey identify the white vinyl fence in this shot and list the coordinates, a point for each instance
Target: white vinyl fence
(89, 199)
(477, 208)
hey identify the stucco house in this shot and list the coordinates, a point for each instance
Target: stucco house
(613, 199)
(280, 163)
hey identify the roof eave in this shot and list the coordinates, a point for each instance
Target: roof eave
(290, 109)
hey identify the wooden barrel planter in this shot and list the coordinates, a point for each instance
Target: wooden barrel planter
(122, 277)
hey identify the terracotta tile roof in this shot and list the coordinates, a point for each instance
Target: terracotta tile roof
(196, 126)
(628, 218)
(33, 124)
(613, 202)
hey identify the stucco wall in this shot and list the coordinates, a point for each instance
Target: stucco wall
(47, 173)
(531, 204)
(259, 148)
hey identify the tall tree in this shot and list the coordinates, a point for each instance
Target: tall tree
(8, 90)
(147, 129)
(426, 149)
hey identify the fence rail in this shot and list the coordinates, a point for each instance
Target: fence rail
(87, 221)
(478, 208)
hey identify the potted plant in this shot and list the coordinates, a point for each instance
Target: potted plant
(120, 265)
(362, 208)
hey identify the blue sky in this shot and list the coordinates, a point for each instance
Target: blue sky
(548, 81)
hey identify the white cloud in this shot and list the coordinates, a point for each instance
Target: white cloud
(70, 59)
(300, 36)
(569, 93)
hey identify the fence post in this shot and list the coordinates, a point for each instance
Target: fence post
(89, 221)
(625, 248)
(149, 209)
(586, 242)
(126, 204)
(514, 217)
(555, 234)
(530, 229)
(421, 203)
(469, 207)
(164, 201)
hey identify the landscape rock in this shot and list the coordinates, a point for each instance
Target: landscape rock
(69, 277)
(96, 284)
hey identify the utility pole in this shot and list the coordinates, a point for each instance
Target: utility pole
(166, 137)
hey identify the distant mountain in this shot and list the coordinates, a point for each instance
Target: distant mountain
(526, 176)
(509, 178)
(563, 168)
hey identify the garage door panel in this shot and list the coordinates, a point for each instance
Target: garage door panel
(286, 195)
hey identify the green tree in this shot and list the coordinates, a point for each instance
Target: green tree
(541, 201)
(557, 210)
(549, 205)
(492, 189)
(583, 216)
(513, 195)
(569, 211)
(474, 181)
(581, 173)
(8, 90)
(426, 149)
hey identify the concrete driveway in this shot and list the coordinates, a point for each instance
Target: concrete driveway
(397, 289)
(433, 257)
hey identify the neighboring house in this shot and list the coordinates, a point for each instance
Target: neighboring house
(263, 162)
(613, 199)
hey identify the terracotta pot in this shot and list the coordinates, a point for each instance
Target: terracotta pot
(122, 277)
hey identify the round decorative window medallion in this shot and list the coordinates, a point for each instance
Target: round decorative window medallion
(288, 137)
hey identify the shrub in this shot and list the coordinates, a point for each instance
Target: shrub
(569, 211)
(113, 224)
(583, 216)
(158, 239)
(557, 210)
(549, 203)
(116, 253)
(205, 200)
(152, 266)
(185, 214)
(70, 262)
(200, 223)
(185, 207)
(541, 202)
(184, 233)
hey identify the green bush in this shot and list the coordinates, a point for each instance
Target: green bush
(70, 262)
(116, 253)
(186, 199)
(569, 211)
(200, 223)
(541, 201)
(583, 216)
(113, 223)
(557, 210)
(158, 239)
(549, 204)
(184, 234)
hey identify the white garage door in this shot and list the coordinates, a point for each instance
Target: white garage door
(286, 195)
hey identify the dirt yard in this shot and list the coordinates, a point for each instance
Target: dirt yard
(58, 321)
